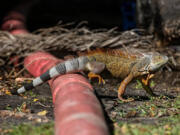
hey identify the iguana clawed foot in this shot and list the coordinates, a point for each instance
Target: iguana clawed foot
(93, 75)
(145, 84)
(125, 100)
(146, 81)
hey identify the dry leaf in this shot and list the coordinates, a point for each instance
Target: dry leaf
(131, 114)
(42, 113)
(35, 100)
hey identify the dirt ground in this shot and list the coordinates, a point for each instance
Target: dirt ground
(36, 106)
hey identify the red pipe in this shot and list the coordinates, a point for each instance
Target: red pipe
(15, 20)
(77, 110)
(14, 23)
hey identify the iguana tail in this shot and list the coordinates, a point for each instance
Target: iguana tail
(74, 65)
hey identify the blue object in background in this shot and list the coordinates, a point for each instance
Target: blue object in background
(128, 10)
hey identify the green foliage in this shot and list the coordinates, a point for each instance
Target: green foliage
(139, 84)
(162, 114)
(27, 129)
(140, 129)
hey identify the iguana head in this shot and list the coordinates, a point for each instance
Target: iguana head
(157, 60)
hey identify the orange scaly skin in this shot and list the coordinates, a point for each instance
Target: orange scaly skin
(129, 64)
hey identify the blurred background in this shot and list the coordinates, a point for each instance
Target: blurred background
(98, 13)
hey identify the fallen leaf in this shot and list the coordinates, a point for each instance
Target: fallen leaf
(23, 79)
(7, 92)
(131, 114)
(38, 120)
(124, 129)
(167, 127)
(42, 113)
(24, 108)
(35, 100)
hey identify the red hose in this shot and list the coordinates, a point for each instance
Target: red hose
(15, 20)
(14, 23)
(77, 110)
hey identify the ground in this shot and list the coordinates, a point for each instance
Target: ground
(32, 113)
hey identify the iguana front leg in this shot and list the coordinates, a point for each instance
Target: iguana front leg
(122, 88)
(145, 84)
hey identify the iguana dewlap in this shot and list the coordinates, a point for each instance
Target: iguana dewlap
(121, 63)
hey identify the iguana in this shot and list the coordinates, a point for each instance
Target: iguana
(122, 63)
